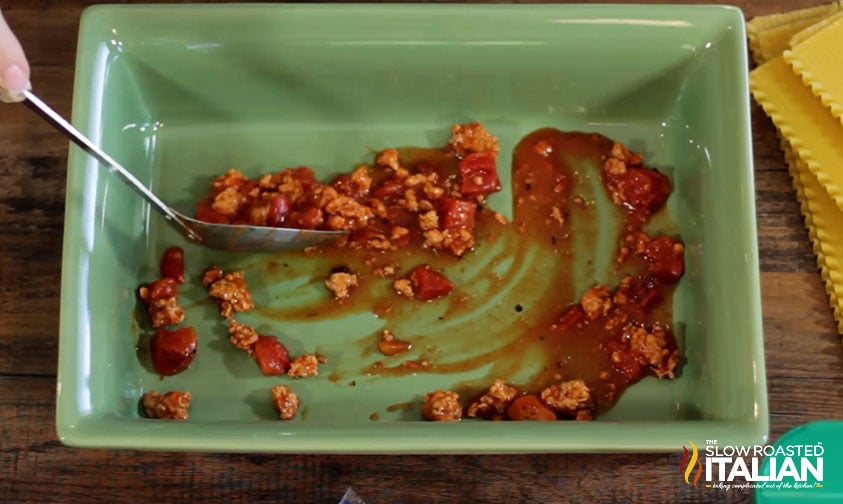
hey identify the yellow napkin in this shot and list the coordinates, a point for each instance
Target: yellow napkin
(799, 84)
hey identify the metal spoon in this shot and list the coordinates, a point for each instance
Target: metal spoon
(216, 236)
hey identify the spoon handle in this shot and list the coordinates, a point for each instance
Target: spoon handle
(113, 166)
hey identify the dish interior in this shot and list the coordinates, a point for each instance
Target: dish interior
(261, 88)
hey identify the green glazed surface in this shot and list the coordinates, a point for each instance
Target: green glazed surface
(182, 93)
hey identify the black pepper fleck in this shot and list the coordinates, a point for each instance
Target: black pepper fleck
(519, 308)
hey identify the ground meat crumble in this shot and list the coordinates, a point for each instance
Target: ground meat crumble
(229, 289)
(341, 283)
(494, 402)
(403, 287)
(242, 336)
(442, 406)
(286, 401)
(304, 365)
(161, 301)
(571, 398)
(649, 347)
(596, 301)
(473, 137)
(173, 405)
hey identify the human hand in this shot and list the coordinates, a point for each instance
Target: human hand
(14, 69)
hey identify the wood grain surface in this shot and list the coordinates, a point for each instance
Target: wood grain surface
(804, 354)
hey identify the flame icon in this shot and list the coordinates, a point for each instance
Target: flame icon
(687, 466)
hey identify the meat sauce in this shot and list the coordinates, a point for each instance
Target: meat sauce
(610, 336)
(387, 206)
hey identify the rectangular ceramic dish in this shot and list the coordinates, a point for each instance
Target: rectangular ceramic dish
(180, 93)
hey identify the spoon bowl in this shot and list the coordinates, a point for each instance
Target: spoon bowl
(242, 238)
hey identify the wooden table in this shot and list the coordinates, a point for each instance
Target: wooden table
(804, 354)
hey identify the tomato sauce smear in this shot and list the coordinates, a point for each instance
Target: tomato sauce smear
(613, 335)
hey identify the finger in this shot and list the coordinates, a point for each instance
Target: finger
(14, 68)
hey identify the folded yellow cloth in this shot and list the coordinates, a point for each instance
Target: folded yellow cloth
(799, 84)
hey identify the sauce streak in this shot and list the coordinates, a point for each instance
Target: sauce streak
(610, 337)
(399, 407)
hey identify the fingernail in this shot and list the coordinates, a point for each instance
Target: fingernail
(14, 79)
(14, 83)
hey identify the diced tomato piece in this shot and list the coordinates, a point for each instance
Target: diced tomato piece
(163, 288)
(479, 174)
(455, 213)
(305, 176)
(279, 207)
(530, 407)
(172, 264)
(173, 351)
(206, 213)
(387, 189)
(271, 355)
(625, 361)
(399, 216)
(344, 185)
(305, 218)
(643, 290)
(573, 316)
(645, 190)
(429, 284)
(666, 257)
